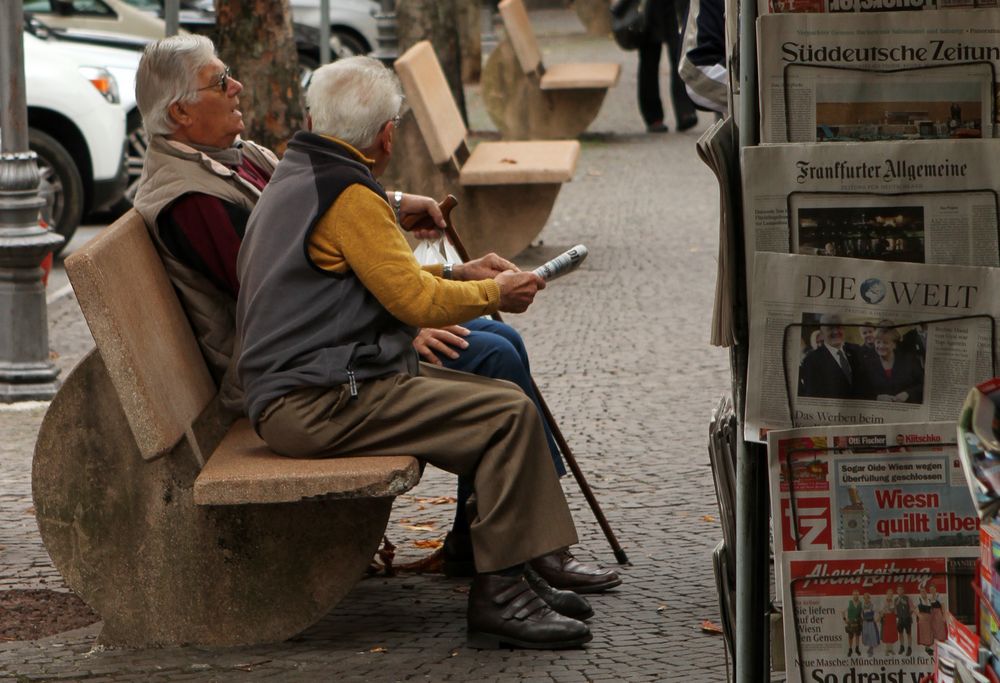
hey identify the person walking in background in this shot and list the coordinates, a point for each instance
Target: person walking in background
(663, 21)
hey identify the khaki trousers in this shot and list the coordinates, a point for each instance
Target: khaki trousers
(462, 423)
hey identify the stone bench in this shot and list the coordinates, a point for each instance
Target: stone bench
(176, 525)
(526, 99)
(505, 190)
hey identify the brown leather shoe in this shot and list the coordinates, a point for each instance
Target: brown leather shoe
(566, 603)
(563, 571)
(505, 612)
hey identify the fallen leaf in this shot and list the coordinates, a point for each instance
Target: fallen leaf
(428, 544)
(508, 161)
(378, 649)
(453, 653)
(708, 518)
(711, 627)
(661, 608)
(30, 511)
(440, 500)
(426, 526)
(594, 172)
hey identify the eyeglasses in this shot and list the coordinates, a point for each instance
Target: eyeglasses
(222, 83)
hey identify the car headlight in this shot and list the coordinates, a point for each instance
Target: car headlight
(104, 81)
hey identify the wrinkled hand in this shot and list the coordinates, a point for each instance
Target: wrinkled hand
(484, 268)
(415, 205)
(443, 340)
(517, 290)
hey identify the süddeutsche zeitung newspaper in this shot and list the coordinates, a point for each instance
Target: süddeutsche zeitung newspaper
(935, 102)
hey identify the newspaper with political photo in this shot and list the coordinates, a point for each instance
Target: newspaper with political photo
(840, 104)
(953, 54)
(868, 486)
(924, 202)
(854, 6)
(840, 341)
(872, 615)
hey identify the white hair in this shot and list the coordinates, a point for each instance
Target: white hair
(352, 98)
(168, 73)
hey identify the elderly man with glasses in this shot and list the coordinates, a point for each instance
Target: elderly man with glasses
(330, 301)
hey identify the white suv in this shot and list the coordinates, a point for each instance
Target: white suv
(77, 127)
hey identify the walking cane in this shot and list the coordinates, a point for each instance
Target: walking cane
(425, 222)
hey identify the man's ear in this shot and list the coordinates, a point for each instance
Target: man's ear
(386, 137)
(178, 112)
(309, 122)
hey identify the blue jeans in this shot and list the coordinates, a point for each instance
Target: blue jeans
(496, 350)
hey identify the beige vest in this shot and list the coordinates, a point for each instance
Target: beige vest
(173, 169)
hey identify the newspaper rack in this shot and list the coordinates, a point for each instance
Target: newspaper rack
(751, 513)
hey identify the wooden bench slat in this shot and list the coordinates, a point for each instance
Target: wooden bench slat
(242, 471)
(522, 36)
(601, 75)
(511, 163)
(433, 105)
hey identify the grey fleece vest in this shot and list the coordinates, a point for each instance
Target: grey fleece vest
(301, 326)
(173, 169)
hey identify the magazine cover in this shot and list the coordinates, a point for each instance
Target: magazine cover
(872, 615)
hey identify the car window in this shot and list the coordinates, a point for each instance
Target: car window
(146, 5)
(92, 8)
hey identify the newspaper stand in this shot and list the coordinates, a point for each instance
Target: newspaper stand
(752, 510)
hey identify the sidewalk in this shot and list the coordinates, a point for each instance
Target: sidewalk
(620, 351)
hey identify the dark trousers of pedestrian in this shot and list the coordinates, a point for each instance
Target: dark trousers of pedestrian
(495, 350)
(663, 27)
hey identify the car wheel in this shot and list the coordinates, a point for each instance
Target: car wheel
(351, 44)
(61, 185)
(138, 142)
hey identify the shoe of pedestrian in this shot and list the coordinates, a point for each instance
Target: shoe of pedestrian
(687, 122)
(657, 127)
(505, 612)
(567, 603)
(458, 558)
(563, 571)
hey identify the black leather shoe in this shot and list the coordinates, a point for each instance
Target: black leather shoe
(563, 571)
(505, 612)
(567, 603)
(458, 558)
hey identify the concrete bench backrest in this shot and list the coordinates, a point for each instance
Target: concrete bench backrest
(522, 37)
(433, 105)
(143, 335)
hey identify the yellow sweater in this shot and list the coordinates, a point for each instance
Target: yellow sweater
(359, 233)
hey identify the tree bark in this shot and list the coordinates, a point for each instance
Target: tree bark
(256, 40)
(438, 22)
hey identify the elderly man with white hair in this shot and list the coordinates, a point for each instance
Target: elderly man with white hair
(330, 300)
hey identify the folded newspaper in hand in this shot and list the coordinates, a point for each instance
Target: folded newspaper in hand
(563, 264)
(979, 446)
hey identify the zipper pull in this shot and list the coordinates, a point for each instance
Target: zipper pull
(352, 383)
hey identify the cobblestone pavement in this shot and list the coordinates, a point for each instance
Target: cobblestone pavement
(620, 351)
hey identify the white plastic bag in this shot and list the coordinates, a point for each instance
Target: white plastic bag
(433, 252)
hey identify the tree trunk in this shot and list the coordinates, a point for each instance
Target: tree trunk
(256, 40)
(438, 22)
(470, 39)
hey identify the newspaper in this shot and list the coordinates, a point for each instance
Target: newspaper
(872, 615)
(912, 105)
(838, 341)
(852, 6)
(864, 486)
(717, 149)
(923, 202)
